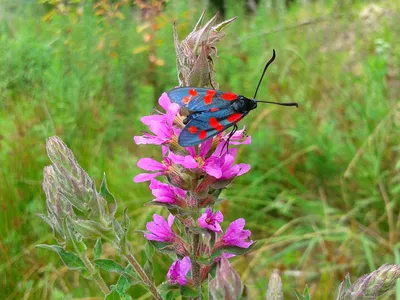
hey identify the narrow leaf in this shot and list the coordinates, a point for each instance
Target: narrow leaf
(71, 260)
(97, 249)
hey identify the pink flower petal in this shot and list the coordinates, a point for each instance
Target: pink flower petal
(145, 177)
(150, 164)
(164, 101)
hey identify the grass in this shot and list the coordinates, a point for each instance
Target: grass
(323, 193)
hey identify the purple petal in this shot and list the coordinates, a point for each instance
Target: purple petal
(145, 177)
(153, 118)
(185, 265)
(153, 140)
(179, 192)
(150, 164)
(164, 101)
(213, 170)
(219, 217)
(192, 151)
(161, 130)
(205, 147)
(171, 219)
(186, 161)
(244, 168)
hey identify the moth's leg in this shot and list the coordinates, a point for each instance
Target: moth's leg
(234, 129)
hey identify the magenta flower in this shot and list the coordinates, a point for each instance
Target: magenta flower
(178, 271)
(211, 221)
(166, 193)
(222, 167)
(236, 236)
(160, 230)
(160, 125)
(150, 164)
(219, 164)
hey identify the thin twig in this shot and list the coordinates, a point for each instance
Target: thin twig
(142, 274)
(389, 212)
(286, 28)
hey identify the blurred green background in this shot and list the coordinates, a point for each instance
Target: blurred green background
(323, 194)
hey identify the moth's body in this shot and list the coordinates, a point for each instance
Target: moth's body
(209, 112)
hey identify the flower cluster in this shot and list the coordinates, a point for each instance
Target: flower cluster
(194, 177)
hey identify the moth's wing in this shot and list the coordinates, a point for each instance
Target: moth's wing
(201, 99)
(205, 125)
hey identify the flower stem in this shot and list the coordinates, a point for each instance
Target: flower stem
(196, 276)
(95, 274)
(142, 274)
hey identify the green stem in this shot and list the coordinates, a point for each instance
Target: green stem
(96, 275)
(142, 274)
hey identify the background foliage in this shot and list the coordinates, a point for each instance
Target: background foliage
(323, 193)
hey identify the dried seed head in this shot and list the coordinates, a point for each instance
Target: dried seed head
(194, 55)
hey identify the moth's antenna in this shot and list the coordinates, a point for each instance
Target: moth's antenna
(263, 73)
(282, 104)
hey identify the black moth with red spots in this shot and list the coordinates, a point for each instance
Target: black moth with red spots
(211, 112)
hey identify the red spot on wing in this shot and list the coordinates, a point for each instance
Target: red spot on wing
(229, 96)
(234, 117)
(215, 124)
(202, 134)
(208, 97)
(214, 109)
(186, 99)
(193, 92)
(192, 129)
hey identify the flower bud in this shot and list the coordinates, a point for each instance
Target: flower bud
(370, 285)
(274, 291)
(226, 284)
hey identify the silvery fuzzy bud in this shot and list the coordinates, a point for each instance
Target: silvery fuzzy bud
(274, 291)
(57, 207)
(370, 285)
(194, 55)
(71, 193)
(226, 284)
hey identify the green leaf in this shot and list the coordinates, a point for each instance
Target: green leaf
(305, 296)
(122, 287)
(189, 291)
(166, 290)
(109, 265)
(122, 231)
(134, 277)
(97, 249)
(163, 247)
(72, 234)
(105, 193)
(114, 295)
(71, 260)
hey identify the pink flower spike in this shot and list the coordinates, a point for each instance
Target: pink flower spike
(178, 271)
(211, 221)
(236, 236)
(166, 193)
(160, 230)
